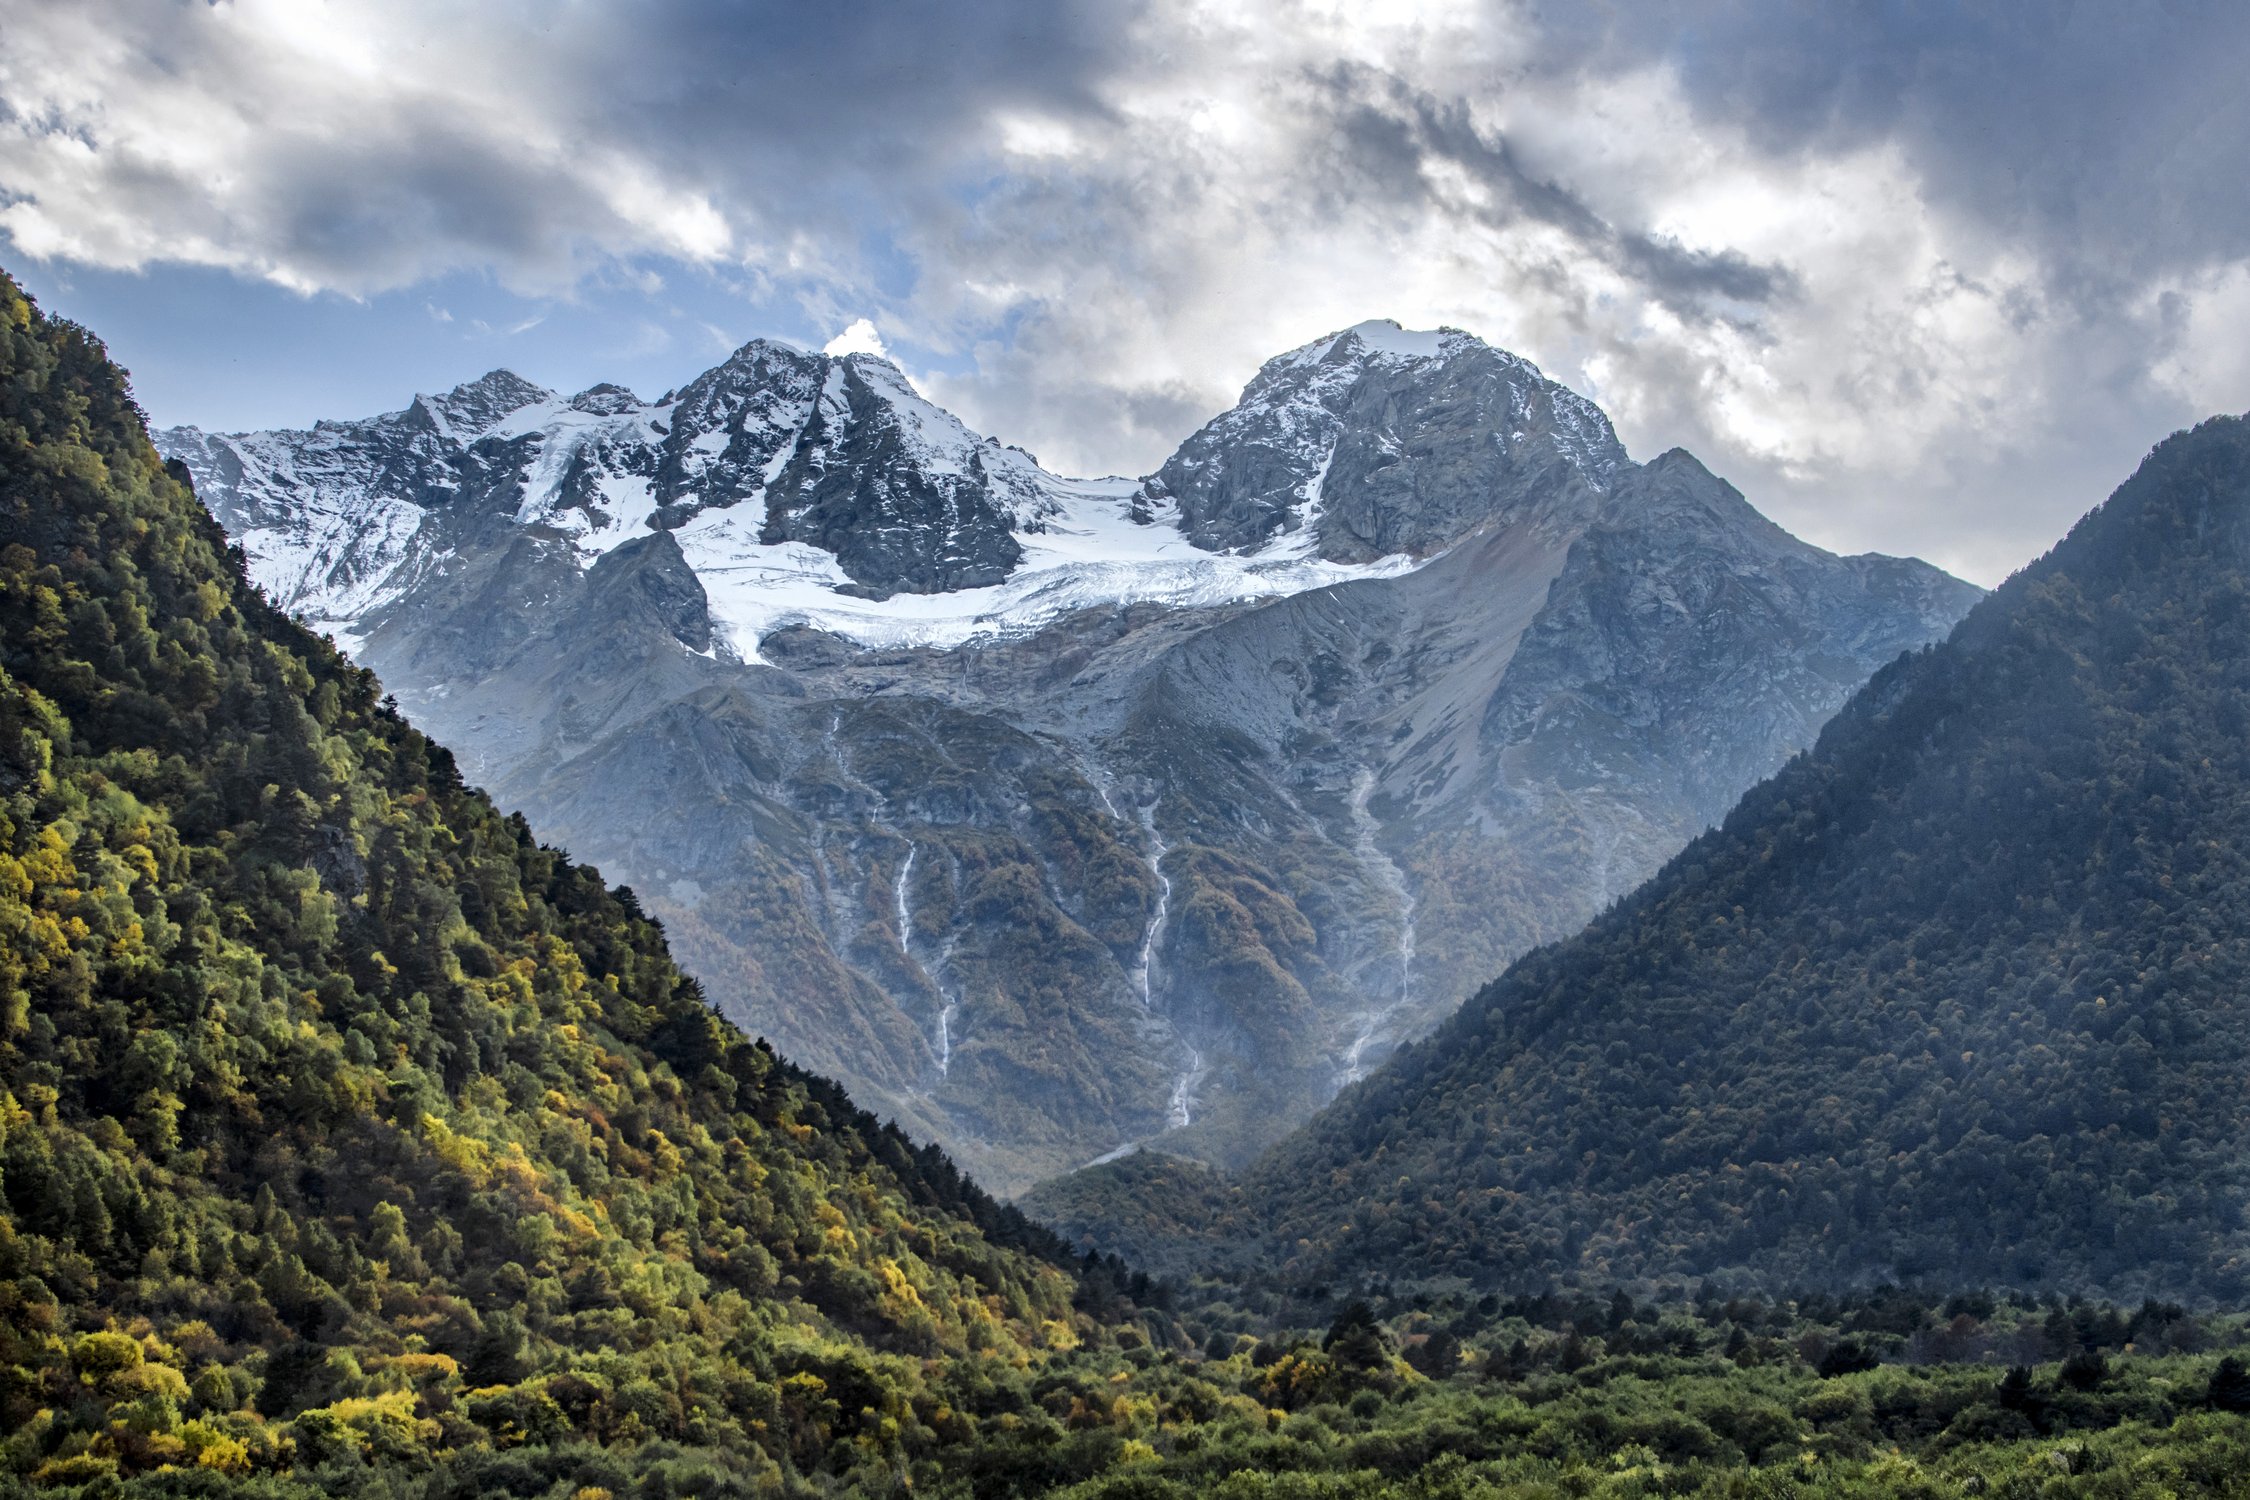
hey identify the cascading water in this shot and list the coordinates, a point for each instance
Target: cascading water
(942, 1048)
(1183, 1092)
(1156, 852)
(1373, 1020)
(1181, 1105)
(898, 894)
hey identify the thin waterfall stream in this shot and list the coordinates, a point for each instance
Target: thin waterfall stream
(1373, 1020)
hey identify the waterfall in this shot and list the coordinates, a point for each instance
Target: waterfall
(945, 1037)
(1393, 879)
(1183, 1092)
(898, 894)
(1156, 852)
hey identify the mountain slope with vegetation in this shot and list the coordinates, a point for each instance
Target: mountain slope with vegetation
(341, 1122)
(1959, 996)
(352, 1144)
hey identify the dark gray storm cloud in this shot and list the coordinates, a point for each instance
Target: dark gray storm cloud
(853, 84)
(1393, 134)
(528, 137)
(2115, 135)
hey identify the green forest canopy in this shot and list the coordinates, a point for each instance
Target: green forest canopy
(325, 1088)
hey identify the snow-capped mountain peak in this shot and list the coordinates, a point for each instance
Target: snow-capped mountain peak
(1380, 338)
(1379, 440)
(605, 400)
(943, 873)
(475, 407)
(826, 489)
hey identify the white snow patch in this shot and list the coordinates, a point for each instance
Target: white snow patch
(1300, 544)
(1383, 336)
(334, 564)
(1087, 551)
(1380, 336)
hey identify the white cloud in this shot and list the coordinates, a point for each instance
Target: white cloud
(2209, 359)
(1913, 316)
(859, 338)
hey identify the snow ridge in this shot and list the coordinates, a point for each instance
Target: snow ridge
(342, 520)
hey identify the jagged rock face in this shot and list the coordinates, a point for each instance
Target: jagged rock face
(1376, 441)
(1093, 831)
(840, 454)
(847, 458)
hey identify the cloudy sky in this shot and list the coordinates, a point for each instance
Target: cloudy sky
(1919, 277)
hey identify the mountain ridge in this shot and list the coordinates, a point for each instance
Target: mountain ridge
(1141, 840)
(1951, 996)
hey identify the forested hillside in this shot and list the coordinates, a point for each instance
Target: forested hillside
(342, 1123)
(1958, 997)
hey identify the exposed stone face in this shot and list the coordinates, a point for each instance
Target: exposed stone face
(857, 486)
(1662, 654)
(1381, 442)
(1161, 865)
(648, 580)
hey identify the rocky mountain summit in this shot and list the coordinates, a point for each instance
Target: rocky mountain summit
(1377, 441)
(1057, 816)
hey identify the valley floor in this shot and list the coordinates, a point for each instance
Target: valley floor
(1893, 1394)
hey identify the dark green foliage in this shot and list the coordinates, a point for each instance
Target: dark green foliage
(2084, 1371)
(1963, 993)
(1643, 1404)
(1175, 1216)
(1437, 1356)
(2230, 1387)
(1355, 1341)
(344, 1124)
(1847, 1358)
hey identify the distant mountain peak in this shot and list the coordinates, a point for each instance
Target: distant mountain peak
(1378, 440)
(605, 399)
(476, 406)
(499, 384)
(762, 348)
(1451, 674)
